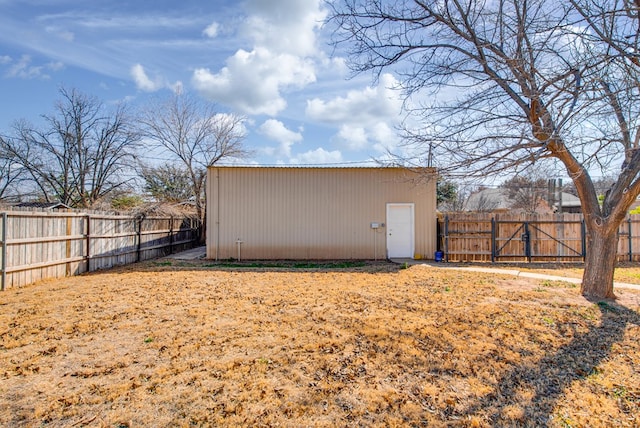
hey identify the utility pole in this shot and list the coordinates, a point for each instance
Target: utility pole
(554, 193)
(551, 192)
(559, 195)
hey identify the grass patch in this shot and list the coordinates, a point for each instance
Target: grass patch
(558, 284)
(288, 265)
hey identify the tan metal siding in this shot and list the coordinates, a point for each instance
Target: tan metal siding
(312, 213)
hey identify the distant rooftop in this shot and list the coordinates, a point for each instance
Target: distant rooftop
(41, 205)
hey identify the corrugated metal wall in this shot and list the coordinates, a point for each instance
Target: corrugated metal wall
(312, 213)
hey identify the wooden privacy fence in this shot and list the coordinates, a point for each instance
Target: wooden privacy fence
(40, 245)
(487, 237)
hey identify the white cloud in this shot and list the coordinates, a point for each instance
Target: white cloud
(239, 123)
(145, 83)
(282, 57)
(335, 66)
(121, 22)
(23, 69)
(285, 25)
(276, 131)
(385, 138)
(267, 150)
(380, 136)
(368, 106)
(55, 66)
(252, 81)
(177, 87)
(354, 137)
(381, 132)
(212, 30)
(366, 117)
(318, 156)
(65, 35)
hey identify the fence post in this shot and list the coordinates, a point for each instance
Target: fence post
(629, 237)
(67, 245)
(4, 251)
(197, 226)
(526, 237)
(493, 239)
(139, 238)
(171, 235)
(446, 238)
(583, 235)
(87, 218)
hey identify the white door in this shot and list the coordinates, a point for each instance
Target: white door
(400, 237)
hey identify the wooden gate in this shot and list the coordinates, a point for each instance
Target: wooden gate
(537, 240)
(512, 237)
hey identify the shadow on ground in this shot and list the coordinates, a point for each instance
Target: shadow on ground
(555, 372)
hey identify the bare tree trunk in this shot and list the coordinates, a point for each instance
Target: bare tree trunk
(203, 228)
(201, 213)
(600, 262)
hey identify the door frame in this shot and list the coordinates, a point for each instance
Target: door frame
(412, 207)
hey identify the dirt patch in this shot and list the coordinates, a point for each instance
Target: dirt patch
(168, 344)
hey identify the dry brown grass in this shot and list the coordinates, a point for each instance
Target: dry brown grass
(153, 345)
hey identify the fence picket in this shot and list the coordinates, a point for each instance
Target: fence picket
(39, 244)
(487, 237)
(3, 280)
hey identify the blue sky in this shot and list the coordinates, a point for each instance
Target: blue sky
(269, 60)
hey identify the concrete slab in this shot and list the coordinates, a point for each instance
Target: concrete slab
(626, 285)
(196, 253)
(513, 272)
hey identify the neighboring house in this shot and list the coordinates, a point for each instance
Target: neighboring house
(42, 205)
(570, 204)
(488, 200)
(498, 200)
(320, 213)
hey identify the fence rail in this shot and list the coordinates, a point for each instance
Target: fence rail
(485, 237)
(37, 245)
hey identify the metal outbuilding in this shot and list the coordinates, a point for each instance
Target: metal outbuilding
(267, 213)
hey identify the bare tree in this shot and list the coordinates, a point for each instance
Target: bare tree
(462, 196)
(78, 156)
(528, 191)
(167, 182)
(518, 83)
(11, 174)
(484, 200)
(601, 184)
(197, 136)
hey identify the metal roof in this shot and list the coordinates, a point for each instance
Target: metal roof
(327, 166)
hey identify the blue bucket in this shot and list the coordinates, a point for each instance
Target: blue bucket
(439, 256)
